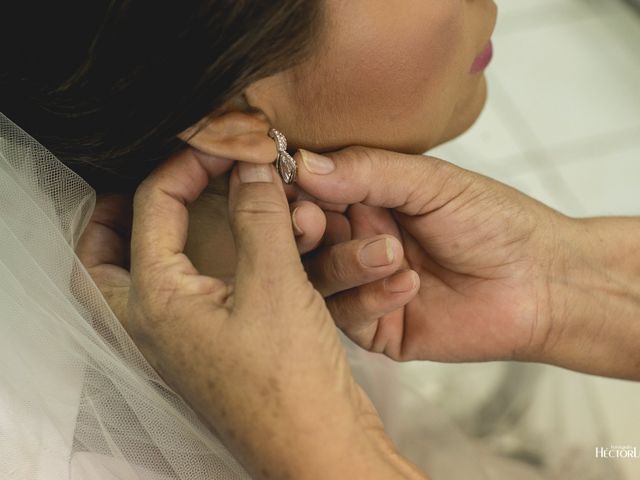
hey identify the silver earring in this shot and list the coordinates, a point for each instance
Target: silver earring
(285, 164)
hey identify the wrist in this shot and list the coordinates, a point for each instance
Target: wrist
(352, 445)
(594, 298)
(345, 450)
(320, 437)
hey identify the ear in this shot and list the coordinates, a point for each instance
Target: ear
(236, 135)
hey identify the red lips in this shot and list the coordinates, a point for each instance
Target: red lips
(482, 60)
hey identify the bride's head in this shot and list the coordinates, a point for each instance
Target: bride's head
(115, 90)
(396, 75)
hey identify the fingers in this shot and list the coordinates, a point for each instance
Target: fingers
(338, 229)
(411, 184)
(313, 226)
(105, 240)
(268, 261)
(103, 249)
(294, 192)
(358, 311)
(353, 263)
(309, 223)
(160, 217)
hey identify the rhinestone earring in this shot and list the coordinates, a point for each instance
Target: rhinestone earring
(285, 164)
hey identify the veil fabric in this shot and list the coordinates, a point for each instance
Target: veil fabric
(78, 401)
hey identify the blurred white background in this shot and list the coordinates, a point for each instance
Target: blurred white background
(562, 124)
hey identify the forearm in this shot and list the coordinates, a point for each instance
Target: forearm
(595, 298)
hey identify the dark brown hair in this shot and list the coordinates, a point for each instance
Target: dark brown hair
(106, 85)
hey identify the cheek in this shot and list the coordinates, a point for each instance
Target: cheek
(392, 70)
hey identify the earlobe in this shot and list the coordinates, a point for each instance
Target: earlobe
(237, 135)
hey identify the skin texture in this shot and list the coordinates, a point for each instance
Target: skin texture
(418, 93)
(270, 328)
(393, 75)
(501, 275)
(485, 274)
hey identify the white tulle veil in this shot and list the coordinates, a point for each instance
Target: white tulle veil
(79, 402)
(77, 399)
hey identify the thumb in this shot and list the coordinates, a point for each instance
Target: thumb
(269, 265)
(410, 184)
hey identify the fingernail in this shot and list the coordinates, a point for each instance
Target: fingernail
(401, 282)
(296, 229)
(378, 253)
(317, 164)
(254, 172)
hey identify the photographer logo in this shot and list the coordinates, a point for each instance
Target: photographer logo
(618, 451)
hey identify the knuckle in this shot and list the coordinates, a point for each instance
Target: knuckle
(448, 182)
(340, 309)
(261, 213)
(362, 159)
(338, 266)
(155, 290)
(353, 309)
(310, 300)
(450, 176)
(261, 206)
(367, 301)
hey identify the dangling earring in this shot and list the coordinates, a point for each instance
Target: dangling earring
(285, 164)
